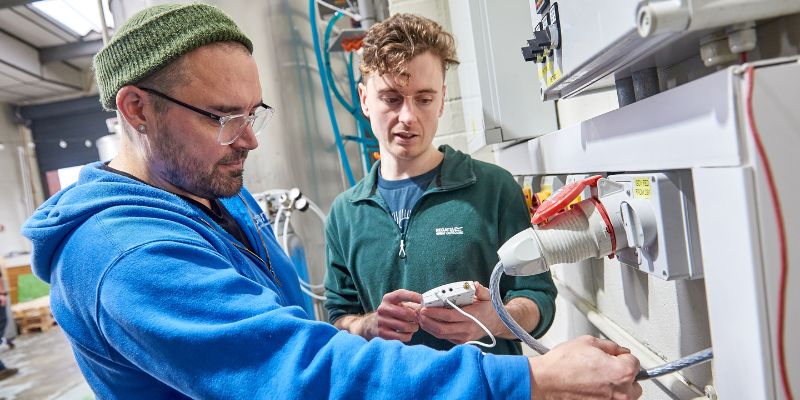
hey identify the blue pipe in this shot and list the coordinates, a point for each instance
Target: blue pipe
(327, 61)
(312, 16)
(355, 82)
(359, 123)
(354, 107)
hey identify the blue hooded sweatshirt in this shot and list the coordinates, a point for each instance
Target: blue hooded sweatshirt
(158, 301)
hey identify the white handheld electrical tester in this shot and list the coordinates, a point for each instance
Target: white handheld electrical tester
(460, 293)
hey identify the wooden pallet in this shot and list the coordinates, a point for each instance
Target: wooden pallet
(33, 315)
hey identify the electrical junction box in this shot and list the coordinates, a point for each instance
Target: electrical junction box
(672, 250)
(500, 102)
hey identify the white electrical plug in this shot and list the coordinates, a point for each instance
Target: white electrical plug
(522, 255)
(590, 229)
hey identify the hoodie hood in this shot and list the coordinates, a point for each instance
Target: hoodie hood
(96, 190)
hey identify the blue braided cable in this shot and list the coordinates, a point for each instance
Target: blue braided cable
(508, 321)
(677, 365)
(327, 61)
(312, 16)
(360, 126)
(356, 110)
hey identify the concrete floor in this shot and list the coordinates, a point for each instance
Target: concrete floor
(47, 369)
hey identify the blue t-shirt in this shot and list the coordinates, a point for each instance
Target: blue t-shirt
(403, 194)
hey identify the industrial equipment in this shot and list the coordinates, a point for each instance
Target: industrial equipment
(695, 164)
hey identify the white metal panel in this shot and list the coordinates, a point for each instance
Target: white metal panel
(689, 126)
(775, 94)
(512, 102)
(729, 230)
(597, 38)
(499, 99)
(714, 13)
(515, 159)
(601, 38)
(589, 28)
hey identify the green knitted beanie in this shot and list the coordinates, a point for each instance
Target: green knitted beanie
(153, 38)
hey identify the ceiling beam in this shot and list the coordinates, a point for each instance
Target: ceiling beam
(14, 3)
(22, 63)
(68, 51)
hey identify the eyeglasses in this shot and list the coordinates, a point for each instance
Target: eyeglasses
(230, 126)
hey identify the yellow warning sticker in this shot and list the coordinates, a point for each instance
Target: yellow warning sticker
(552, 78)
(641, 188)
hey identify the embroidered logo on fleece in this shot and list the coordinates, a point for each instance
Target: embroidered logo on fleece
(453, 230)
(262, 221)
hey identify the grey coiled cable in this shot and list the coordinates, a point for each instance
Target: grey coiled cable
(497, 301)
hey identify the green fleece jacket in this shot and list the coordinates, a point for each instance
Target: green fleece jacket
(469, 210)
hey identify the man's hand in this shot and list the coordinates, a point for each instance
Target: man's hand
(3, 299)
(395, 318)
(585, 368)
(449, 324)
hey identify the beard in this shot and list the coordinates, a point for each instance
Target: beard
(193, 175)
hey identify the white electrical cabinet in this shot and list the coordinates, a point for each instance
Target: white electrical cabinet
(499, 99)
(701, 158)
(581, 44)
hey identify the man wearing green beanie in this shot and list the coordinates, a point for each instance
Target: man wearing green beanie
(167, 279)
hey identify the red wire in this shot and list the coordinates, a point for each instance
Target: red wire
(776, 206)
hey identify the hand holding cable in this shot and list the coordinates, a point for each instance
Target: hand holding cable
(585, 368)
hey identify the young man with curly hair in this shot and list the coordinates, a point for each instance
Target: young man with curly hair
(424, 216)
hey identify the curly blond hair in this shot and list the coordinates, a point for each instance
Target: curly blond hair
(391, 44)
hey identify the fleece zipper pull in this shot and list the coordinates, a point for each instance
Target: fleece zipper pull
(402, 252)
